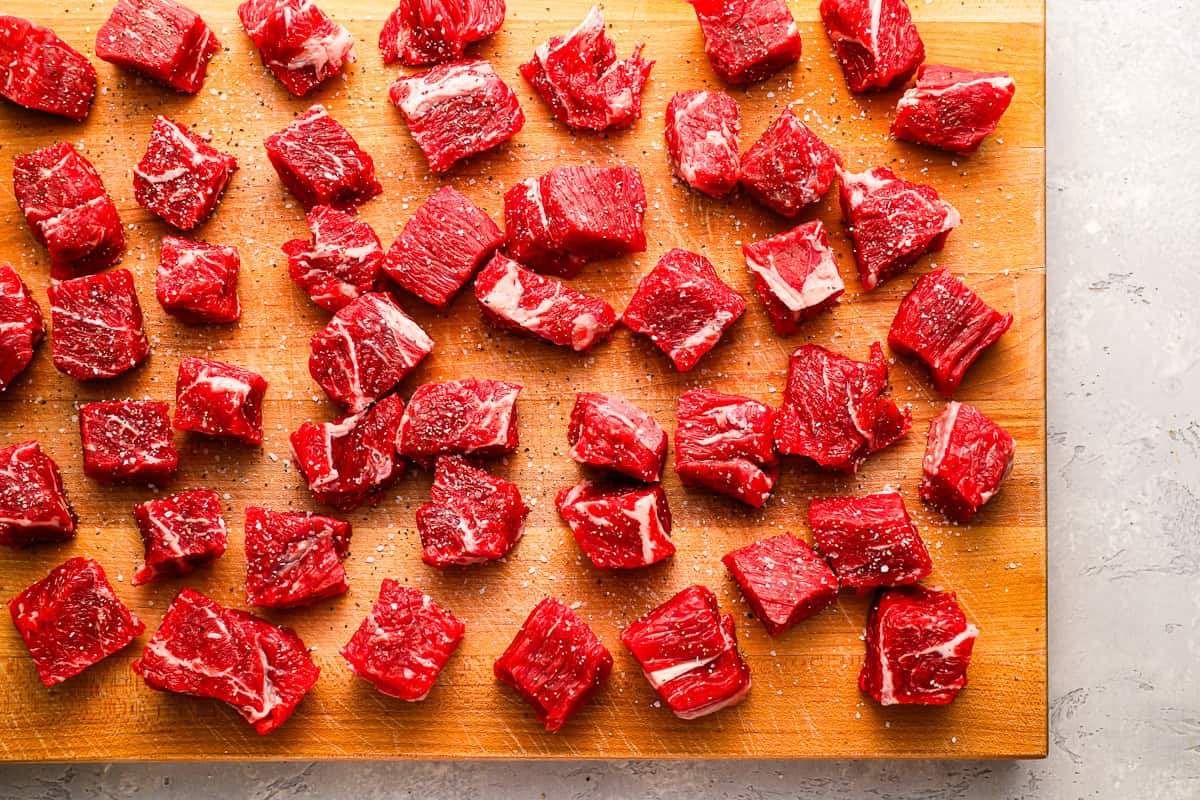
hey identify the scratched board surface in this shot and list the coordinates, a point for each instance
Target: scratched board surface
(804, 701)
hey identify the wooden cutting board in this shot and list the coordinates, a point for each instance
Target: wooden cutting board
(805, 702)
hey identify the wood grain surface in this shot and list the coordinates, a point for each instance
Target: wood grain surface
(805, 702)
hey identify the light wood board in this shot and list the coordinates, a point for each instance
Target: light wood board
(805, 702)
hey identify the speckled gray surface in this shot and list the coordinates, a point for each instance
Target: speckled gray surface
(1124, 347)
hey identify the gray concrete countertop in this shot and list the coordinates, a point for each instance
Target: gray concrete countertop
(1124, 347)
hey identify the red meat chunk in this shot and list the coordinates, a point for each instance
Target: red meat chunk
(97, 323)
(967, 457)
(219, 400)
(365, 350)
(556, 663)
(181, 177)
(783, 579)
(180, 533)
(748, 40)
(404, 643)
(472, 516)
(161, 39)
(38, 70)
(350, 461)
(612, 433)
(573, 215)
(725, 442)
(68, 211)
(294, 558)
(946, 326)
(869, 541)
(320, 163)
(875, 40)
(207, 650)
(72, 619)
(583, 82)
(340, 263)
(616, 526)
(954, 109)
(683, 307)
(516, 299)
(892, 222)
(33, 503)
(789, 168)
(702, 141)
(918, 647)
(21, 325)
(441, 247)
(299, 43)
(469, 417)
(197, 282)
(689, 653)
(127, 441)
(833, 412)
(421, 32)
(457, 110)
(795, 275)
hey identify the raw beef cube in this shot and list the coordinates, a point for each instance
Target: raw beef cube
(613, 433)
(441, 247)
(404, 642)
(783, 579)
(180, 532)
(207, 650)
(421, 32)
(796, 275)
(33, 503)
(21, 325)
(161, 39)
(580, 78)
(573, 215)
(892, 222)
(556, 663)
(789, 168)
(618, 527)
(967, 457)
(68, 211)
(516, 299)
(748, 40)
(875, 40)
(298, 42)
(320, 163)
(127, 441)
(472, 516)
(457, 110)
(683, 306)
(341, 262)
(725, 443)
(918, 647)
(946, 326)
(702, 141)
(689, 653)
(469, 417)
(350, 461)
(294, 558)
(219, 399)
(869, 541)
(833, 411)
(197, 282)
(181, 177)
(38, 70)
(97, 323)
(365, 350)
(72, 619)
(954, 109)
